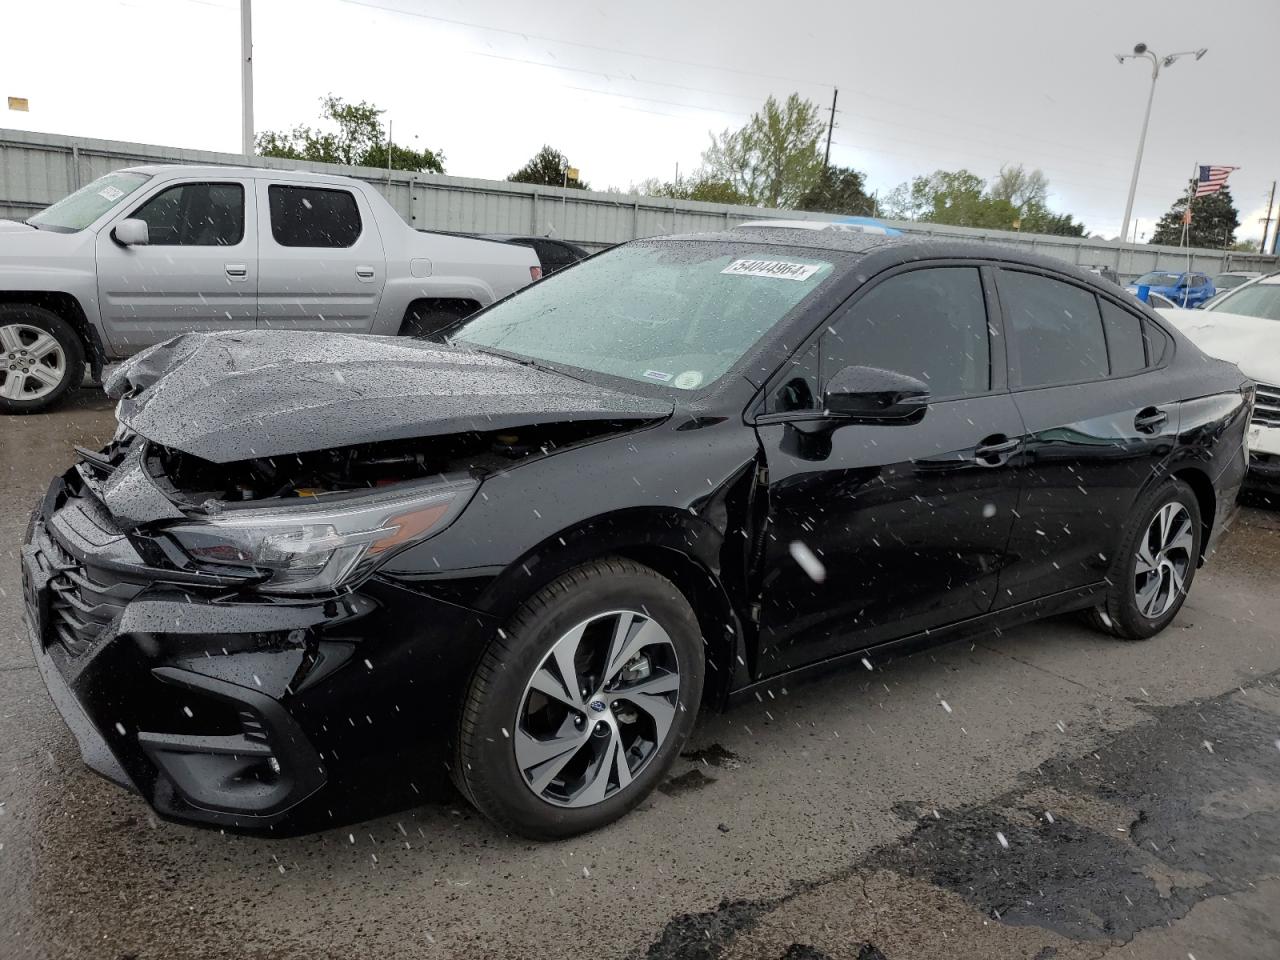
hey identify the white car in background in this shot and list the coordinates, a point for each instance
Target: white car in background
(1243, 326)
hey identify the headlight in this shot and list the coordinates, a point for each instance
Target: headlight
(318, 547)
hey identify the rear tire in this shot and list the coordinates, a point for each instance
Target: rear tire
(547, 761)
(41, 358)
(1154, 565)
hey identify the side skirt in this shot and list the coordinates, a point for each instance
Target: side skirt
(1078, 598)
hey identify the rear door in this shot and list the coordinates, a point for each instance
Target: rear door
(322, 265)
(198, 272)
(909, 521)
(1100, 420)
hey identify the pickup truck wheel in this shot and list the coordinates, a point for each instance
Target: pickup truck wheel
(41, 358)
(425, 322)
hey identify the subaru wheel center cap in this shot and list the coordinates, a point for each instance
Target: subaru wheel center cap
(597, 705)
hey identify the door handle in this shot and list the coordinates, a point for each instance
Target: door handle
(995, 451)
(237, 271)
(1150, 420)
(364, 273)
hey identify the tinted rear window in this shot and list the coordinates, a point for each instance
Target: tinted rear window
(1124, 339)
(1057, 329)
(313, 217)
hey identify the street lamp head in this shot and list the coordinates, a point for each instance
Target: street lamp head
(1201, 52)
(1139, 49)
(1121, 57)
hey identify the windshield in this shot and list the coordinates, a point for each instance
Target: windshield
(1225, 281)
(77, 211)
(1157, 280)
(1256, 300)
(678, 312)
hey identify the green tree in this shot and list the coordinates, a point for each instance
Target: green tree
(1214, 220)
(697, 187)
(954, 197)
(356, 138)
(1037, 218)
(774, 160)
(1015, 200)
(839, 190)
(1023, 188)
(547, 166)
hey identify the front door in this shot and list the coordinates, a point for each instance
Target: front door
(197, 272)
(879, 531)
(321, 259)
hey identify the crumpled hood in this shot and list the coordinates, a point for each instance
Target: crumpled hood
(232, 396)
(1251, 343)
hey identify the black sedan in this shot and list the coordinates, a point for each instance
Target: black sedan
(315, 578)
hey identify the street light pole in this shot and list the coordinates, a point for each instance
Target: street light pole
(246, 77)
(1141, 51)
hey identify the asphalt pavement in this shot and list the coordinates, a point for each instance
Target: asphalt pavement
(1047, 793)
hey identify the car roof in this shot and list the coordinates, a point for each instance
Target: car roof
(888, 251)
(258, 173)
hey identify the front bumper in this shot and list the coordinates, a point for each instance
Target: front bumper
(1264, 455)
(224, 709)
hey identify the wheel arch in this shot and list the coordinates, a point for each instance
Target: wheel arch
(680, 547)
(68, 307)
(1206, 499)
(464, 305)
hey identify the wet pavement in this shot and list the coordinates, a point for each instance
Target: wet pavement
(1048, 793)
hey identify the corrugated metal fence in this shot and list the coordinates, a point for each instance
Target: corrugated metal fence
(37, 168)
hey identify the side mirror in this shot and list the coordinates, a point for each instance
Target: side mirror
(131, 232)
(869, 393)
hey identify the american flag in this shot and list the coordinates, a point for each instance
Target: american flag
(1212, 179)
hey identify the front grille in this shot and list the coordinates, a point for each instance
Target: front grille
(80, 608)
(1266, 407)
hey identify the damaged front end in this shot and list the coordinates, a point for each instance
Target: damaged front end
(215, 630)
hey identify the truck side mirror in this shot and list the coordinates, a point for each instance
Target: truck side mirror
(131, 232)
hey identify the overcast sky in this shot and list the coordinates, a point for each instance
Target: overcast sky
(630, 90)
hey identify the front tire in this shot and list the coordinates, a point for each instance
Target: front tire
(41, 358)
(581, 702)
(1152, 572)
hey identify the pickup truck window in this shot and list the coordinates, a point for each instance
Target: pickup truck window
(77, 211)
(195, 215)
(313, 217)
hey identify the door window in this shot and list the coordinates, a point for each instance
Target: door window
(195, 215)
(1124, 339)
(1056, 329)
(313, 216)
(930, 324)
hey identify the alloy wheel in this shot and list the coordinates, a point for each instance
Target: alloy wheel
(1163, 560)
(597, 709)
(32, 362)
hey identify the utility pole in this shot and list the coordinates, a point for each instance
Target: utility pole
(246, 77)
(835, 93)
(1262, 247)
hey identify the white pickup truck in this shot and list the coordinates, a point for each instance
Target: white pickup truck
(146, 253)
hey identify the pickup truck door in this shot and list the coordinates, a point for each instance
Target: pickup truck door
(321, 258)
(198, 271)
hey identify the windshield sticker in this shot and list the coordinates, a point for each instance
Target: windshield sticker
(687, 380)
(111, 194)
(778, 269)
(657, 375)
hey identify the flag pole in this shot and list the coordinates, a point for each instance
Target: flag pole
(1186, 229)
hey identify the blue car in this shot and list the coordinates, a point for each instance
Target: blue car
(1188, 290)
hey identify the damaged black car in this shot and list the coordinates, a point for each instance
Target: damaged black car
(315, 577)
